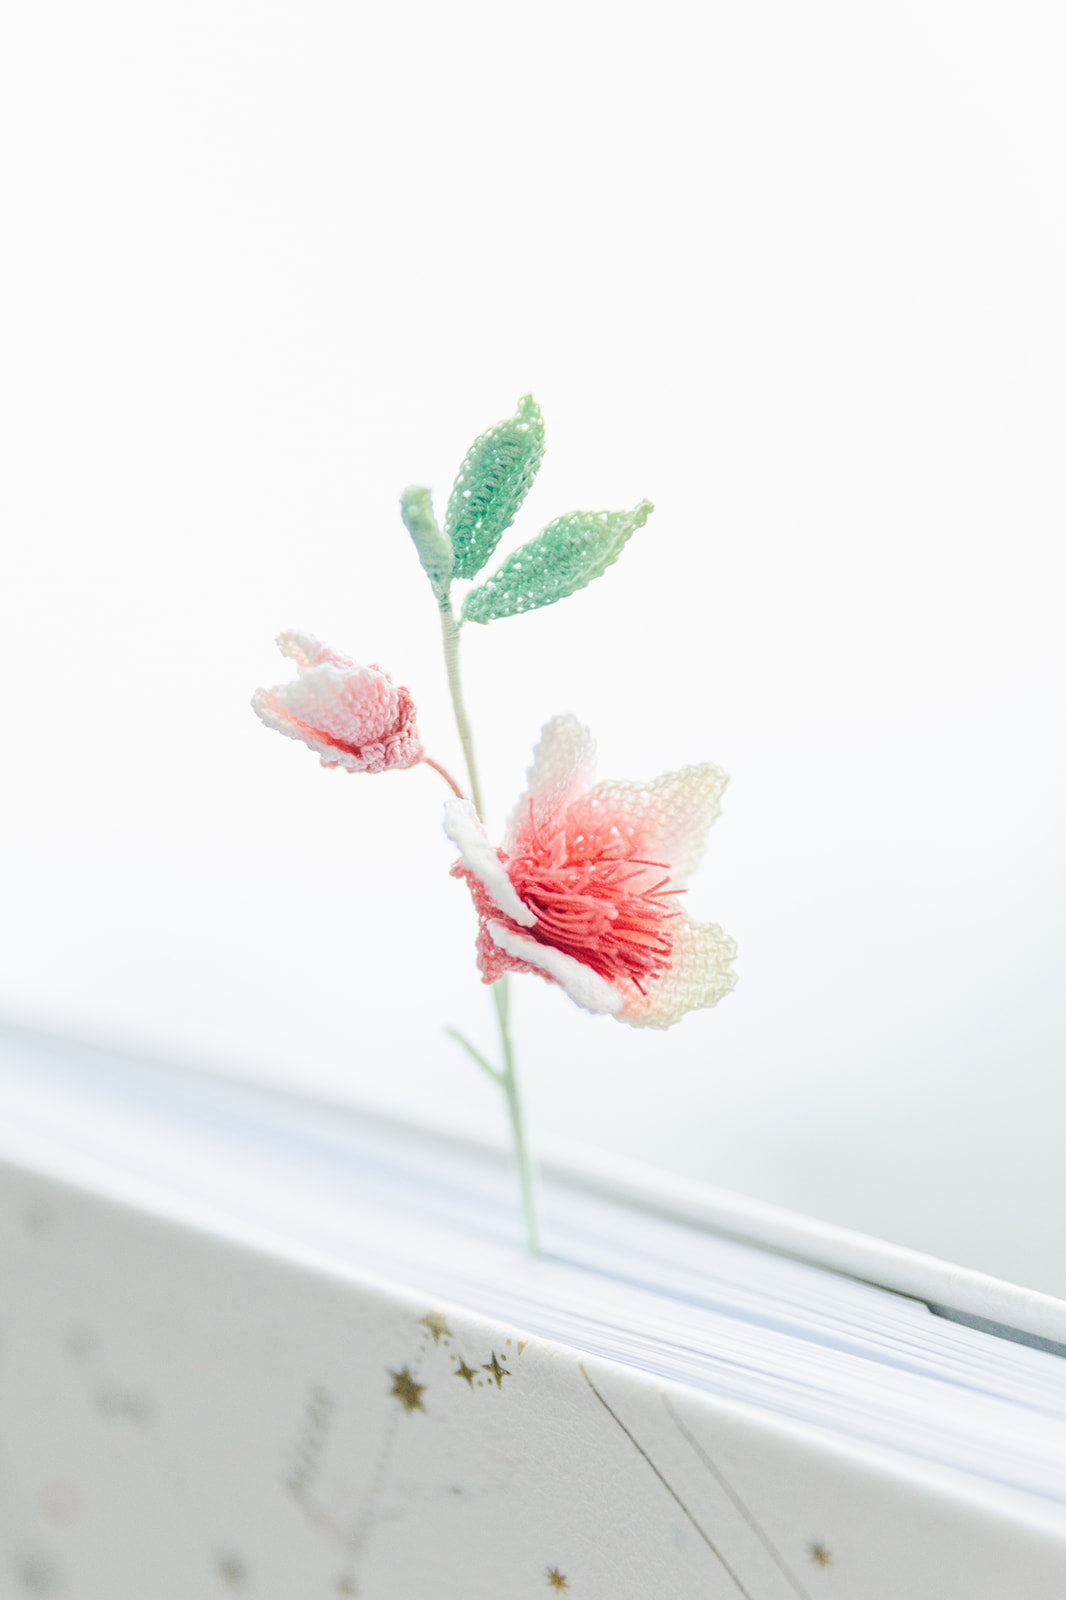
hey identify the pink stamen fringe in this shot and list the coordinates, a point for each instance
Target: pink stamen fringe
(591, 909)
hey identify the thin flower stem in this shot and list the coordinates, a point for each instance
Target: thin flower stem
(471, 1050)
(450, 634)
(427, 761)
(509, 1081)
(506, 1076)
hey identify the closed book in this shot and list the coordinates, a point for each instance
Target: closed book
(252, 1345)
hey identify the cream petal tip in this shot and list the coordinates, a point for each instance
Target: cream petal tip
(669, 817)
(701, 973)
(564, 763)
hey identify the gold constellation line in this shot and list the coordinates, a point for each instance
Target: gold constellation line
(671, 1491)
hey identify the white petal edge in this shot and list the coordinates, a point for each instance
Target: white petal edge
(266, 707)
(583, 985)
(466, 831)
(563, 766)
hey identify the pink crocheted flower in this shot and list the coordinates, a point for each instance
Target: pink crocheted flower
(353, 717)
(584, 890)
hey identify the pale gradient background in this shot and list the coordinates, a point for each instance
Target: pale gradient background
(794, 272)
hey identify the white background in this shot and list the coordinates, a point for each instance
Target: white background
(796, 273)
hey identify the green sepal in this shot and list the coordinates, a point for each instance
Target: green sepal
(492, 483)
(567, 555)
(434, 550)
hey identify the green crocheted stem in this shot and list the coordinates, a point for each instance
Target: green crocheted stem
(567, 555)
(492, 483)
(434, 550)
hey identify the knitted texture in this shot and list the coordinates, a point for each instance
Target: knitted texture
(598, 867)
(434, 550)
(493, 481)
(568, 554)
(679, 806)
(463, 827)
(352, 716)
(563, 767)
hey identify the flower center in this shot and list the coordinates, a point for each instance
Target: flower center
(608, 910)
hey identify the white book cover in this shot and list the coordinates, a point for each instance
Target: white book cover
(211, 1384)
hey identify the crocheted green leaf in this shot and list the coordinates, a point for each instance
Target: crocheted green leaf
(567, 555)
(492, 483)
(434, 550)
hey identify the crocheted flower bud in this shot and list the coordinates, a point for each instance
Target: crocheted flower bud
(352, 716)
(584, 890)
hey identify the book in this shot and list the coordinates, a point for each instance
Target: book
(254, 1345)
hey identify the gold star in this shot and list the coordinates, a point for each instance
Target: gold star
(463, 1371)
(437, 1323)
(820, 1555)
(556, 1579)
(406, 1390)
(498, 1372)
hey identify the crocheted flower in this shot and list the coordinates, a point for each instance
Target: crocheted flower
(353, 717)
(584, 890)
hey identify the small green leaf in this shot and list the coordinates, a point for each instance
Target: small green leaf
(492, 483)
(567, 555)
(434, 550)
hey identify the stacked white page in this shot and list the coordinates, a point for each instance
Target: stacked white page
(293, 1351)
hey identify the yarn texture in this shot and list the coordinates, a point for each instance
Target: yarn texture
(596, 869)
(493, 481)
(352, 716)
(566, 555)
(585, 890)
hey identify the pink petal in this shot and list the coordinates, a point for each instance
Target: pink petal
(352, 716)
(583, 985)
(666, 820)
(307, 651)
(268, 708)
(353, 705)
(564, 764)
(700, 973)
